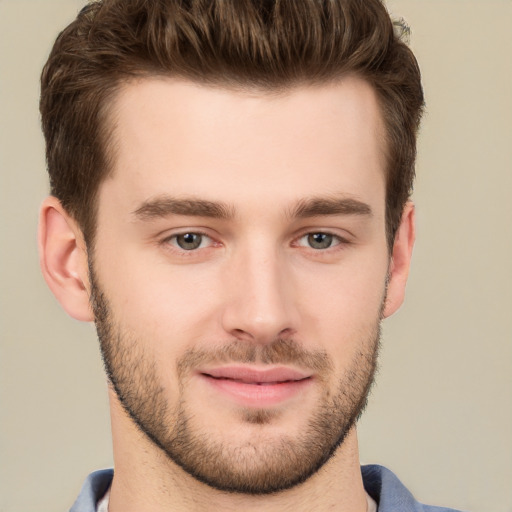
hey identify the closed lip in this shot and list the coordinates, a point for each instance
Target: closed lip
(251, 375)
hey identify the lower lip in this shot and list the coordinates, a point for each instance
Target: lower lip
(258, 395)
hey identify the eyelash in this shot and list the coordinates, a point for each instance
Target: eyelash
(338, 242)
(168, 241)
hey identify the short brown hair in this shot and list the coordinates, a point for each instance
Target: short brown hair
(264, 44)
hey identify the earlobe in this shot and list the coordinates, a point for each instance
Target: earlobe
(400, 261)
(63, 259)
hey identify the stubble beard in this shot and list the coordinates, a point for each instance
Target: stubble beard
(261, 465)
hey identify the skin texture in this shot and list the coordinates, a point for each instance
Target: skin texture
(257, 178)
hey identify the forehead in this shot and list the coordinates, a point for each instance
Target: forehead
(182, 138)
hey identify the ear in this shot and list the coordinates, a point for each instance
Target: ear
(400, 261)
(63, 259)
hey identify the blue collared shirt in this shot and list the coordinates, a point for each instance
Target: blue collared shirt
(380, 483)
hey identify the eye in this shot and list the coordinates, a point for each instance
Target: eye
(319, 241)
(189, 241)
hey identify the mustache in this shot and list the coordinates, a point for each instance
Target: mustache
(279, 351)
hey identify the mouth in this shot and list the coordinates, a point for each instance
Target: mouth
(256, 387)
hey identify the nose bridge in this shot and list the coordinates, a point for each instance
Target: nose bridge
(260, 306)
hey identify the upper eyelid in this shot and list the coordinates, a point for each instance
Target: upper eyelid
(345, 236)
(167, 236)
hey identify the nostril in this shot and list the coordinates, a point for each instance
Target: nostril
(286, 333)
(242, 335)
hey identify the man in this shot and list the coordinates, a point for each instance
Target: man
(230, 206)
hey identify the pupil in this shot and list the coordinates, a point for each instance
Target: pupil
(320, 240)
(189, 241)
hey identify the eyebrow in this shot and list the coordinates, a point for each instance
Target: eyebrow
(320, 206)
(165, 206)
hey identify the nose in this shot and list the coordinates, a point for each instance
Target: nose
(260, 305)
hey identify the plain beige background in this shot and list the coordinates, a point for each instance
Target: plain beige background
(441, 413)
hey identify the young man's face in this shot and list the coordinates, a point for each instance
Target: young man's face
(240, 271)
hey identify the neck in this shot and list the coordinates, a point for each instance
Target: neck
(146, 480)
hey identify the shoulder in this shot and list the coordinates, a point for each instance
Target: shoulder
(94, 488)
(390, 494)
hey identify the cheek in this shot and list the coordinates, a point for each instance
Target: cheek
(158, 301)
(345, 295)
(165, 310)
(341, 308)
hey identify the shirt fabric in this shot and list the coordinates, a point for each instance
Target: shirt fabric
(380, 483)
(102, 505)
(371, 506)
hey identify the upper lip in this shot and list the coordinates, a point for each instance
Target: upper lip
(253, 375)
